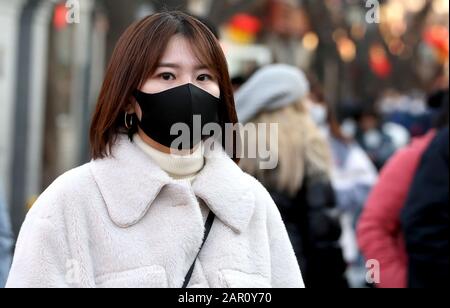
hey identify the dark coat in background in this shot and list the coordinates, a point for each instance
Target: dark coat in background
(314, 229)
(425, 218)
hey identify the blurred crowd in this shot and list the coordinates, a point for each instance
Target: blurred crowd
(356, 185)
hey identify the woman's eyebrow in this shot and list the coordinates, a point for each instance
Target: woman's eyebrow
(177, 66)
(169, 65)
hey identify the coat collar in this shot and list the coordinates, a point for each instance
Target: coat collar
(130, 181)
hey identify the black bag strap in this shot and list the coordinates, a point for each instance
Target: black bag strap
(208, 226)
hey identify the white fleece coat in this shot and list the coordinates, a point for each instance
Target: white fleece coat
(123, 222)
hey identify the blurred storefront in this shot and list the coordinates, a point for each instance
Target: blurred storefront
(50, 72)
(10, 12)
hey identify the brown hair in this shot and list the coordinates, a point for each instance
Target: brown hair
(136, 57)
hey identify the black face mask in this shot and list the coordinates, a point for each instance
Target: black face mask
(161, 111)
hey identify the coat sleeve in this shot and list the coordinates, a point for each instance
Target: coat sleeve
(379, 228)
(285, 268)
(41, 258)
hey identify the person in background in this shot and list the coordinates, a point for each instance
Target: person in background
(6, 241)
(300, 185)
(380, 235)
(425, 217)
(353, 176)
(373, 139)
(399, 135)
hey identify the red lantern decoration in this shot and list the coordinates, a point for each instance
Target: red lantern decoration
(437, 38)
(247, 23)
(59, 16)
(244, 28)
(379, 62)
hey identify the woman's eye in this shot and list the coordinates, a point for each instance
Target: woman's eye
(205, 77)
(167, 76)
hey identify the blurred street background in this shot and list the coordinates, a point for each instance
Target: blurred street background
(375, 62)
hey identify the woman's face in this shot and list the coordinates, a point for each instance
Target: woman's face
(179, 65)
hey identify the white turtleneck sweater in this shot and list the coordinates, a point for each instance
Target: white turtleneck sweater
(180, 168)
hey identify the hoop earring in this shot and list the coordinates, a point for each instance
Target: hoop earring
(128, 126)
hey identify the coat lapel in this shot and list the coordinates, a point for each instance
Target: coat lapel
(226, 190)
(130, 181)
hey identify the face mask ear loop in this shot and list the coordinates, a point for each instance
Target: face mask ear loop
(128, 126)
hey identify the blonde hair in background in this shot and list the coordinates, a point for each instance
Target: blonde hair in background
(302, 150)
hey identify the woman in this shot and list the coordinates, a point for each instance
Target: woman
(300, 185)
(135, 215)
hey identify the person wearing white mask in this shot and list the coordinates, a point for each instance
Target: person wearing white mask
(353, 176)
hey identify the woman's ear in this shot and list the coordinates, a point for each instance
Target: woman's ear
(134, 108)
